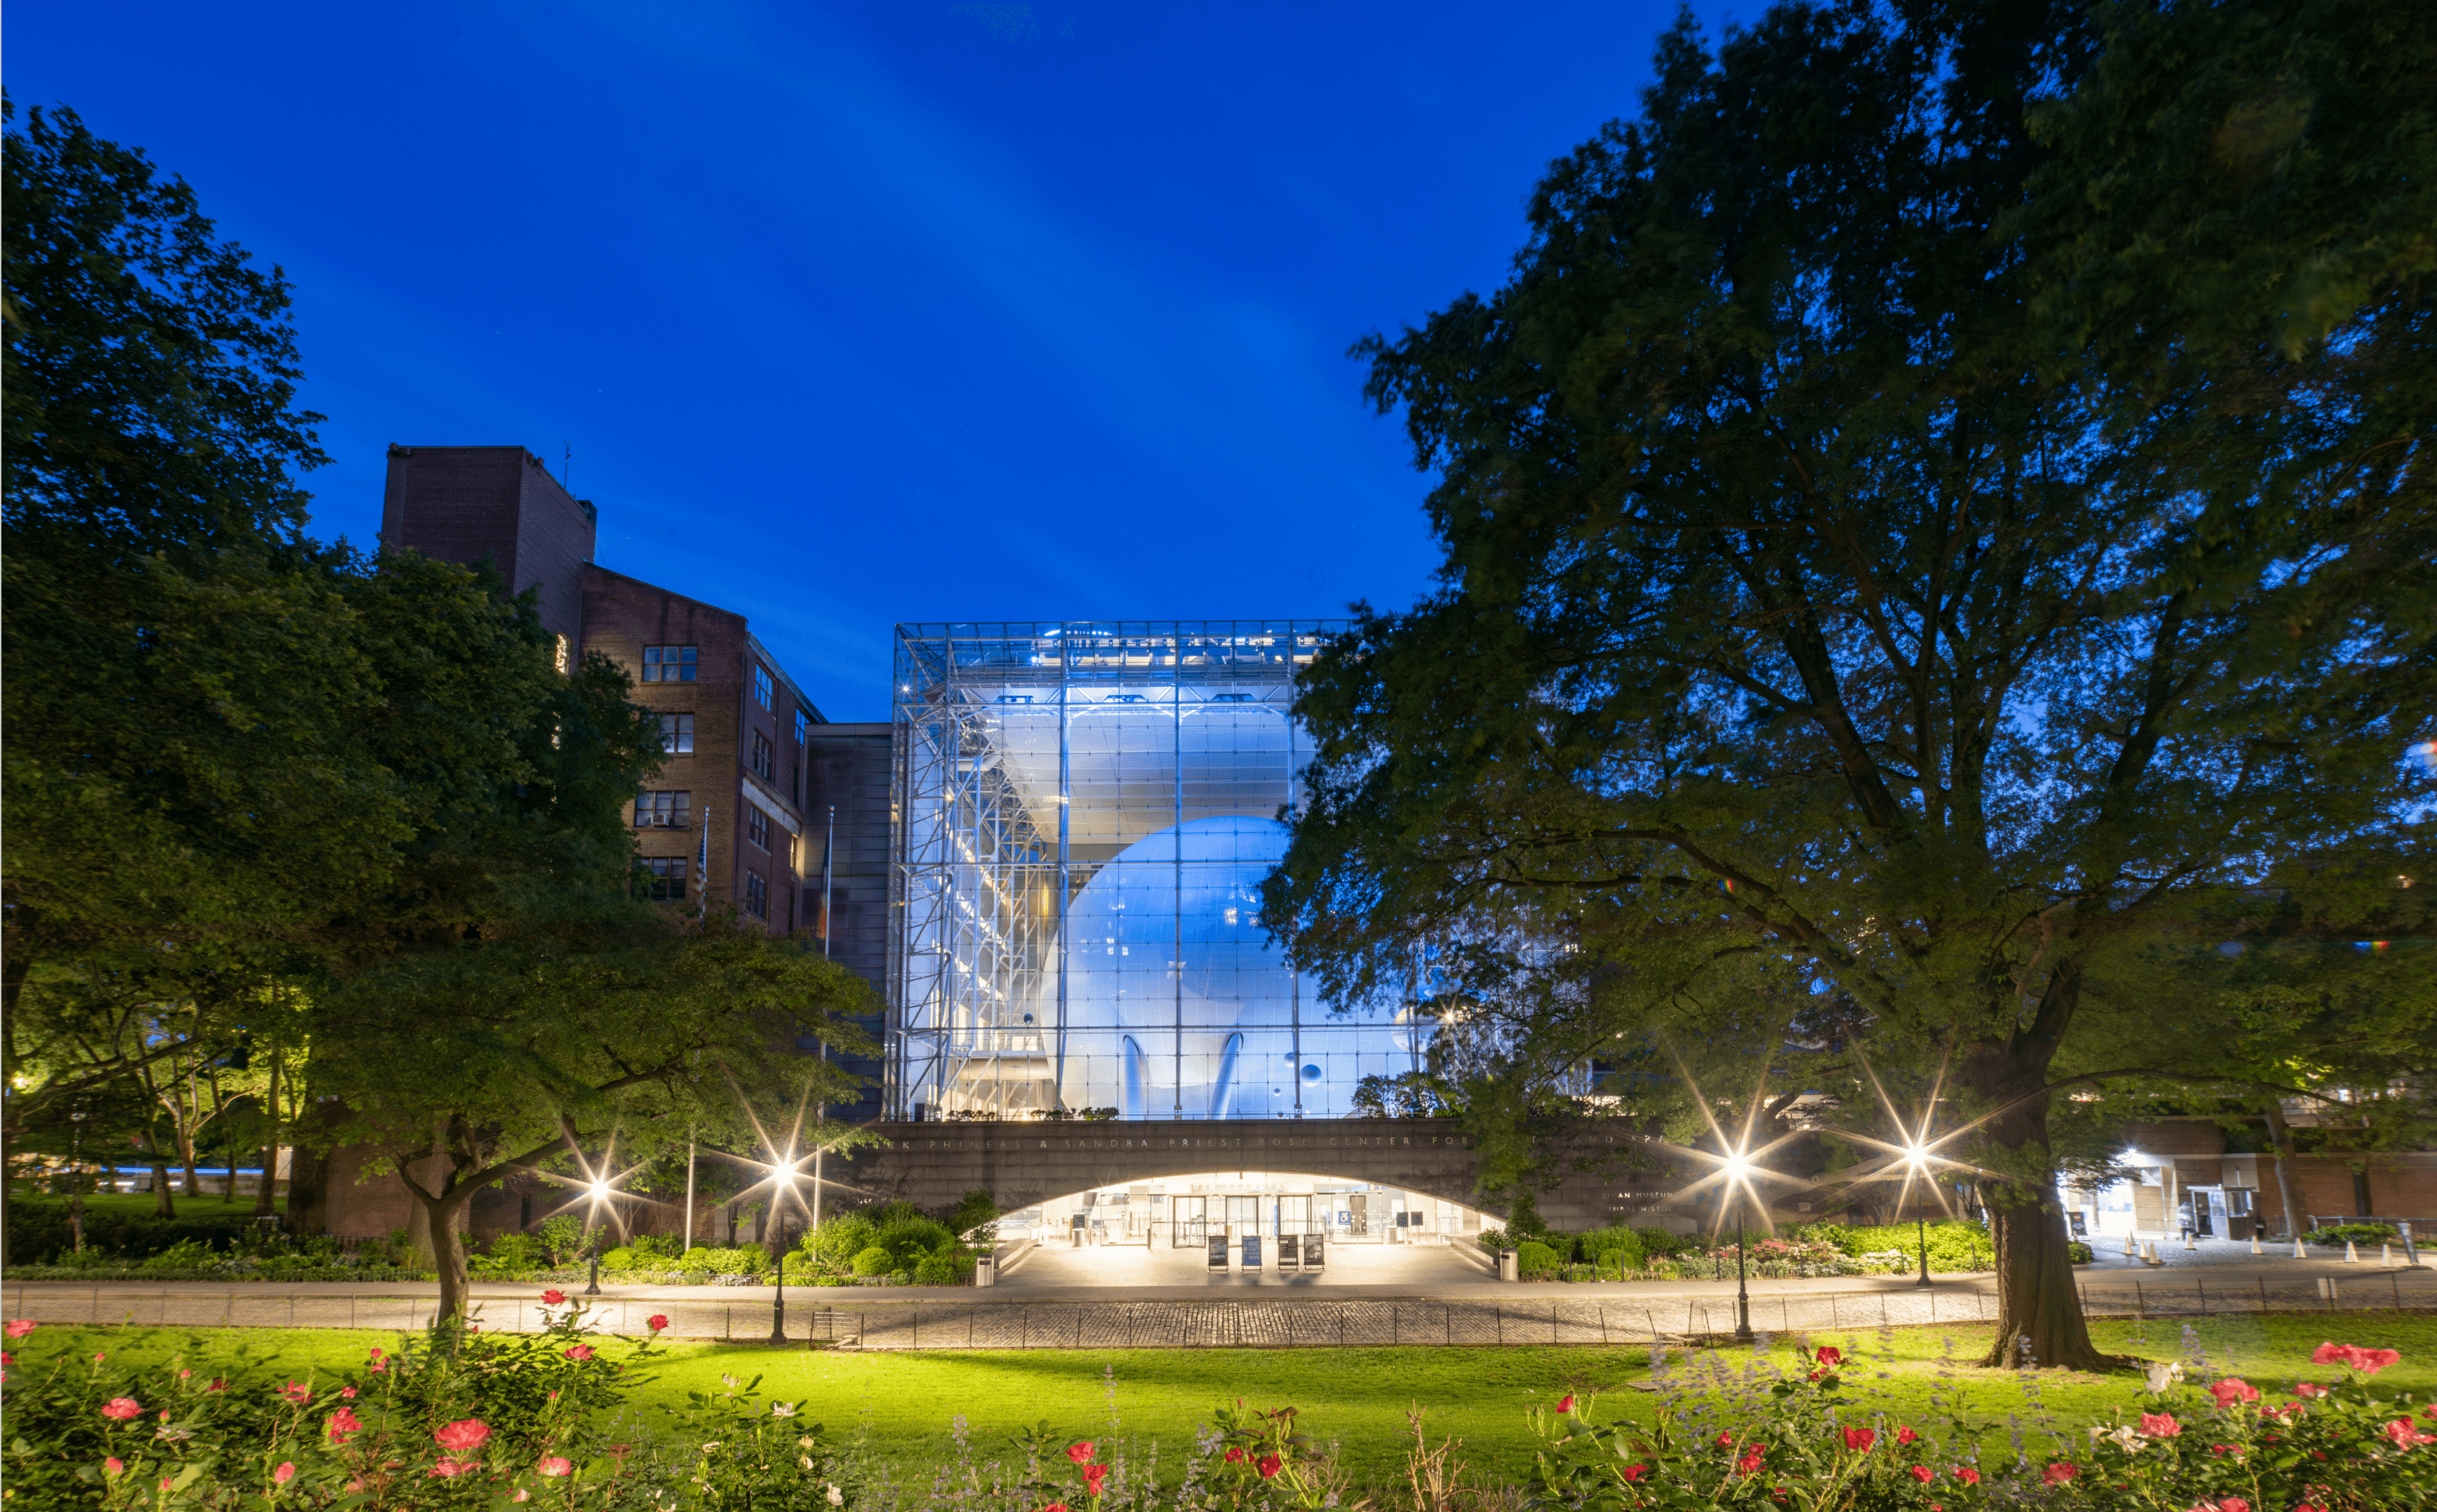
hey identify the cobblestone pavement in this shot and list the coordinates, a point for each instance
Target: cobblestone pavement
(979, 1320)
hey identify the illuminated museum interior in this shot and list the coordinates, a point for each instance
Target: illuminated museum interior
(1182, 1212)
(1085, 813)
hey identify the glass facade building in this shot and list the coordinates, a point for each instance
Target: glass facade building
(1084, 813)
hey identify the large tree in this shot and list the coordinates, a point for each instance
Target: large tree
(1847, 639)
(583, 1051)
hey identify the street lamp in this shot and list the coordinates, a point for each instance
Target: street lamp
(783, 1186)
(1737, 1171)
(600, 1191)
(1916, 1157)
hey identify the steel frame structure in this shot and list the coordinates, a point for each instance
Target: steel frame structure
(1033, 758)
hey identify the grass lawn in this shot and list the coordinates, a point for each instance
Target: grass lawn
(142, 1205)
(1357, 1396)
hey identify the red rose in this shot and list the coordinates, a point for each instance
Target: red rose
(1093, 1476)
(1634, 1472)
(1966, 1474)
(656, 1322)
(2160, 1425)
(1829, 1356)
(1749, 1462)
(1905, 1435)
(122, 1408)
(1237, 1456)
(1080, 1452)
(2233, 1389)
(1923, 1474)
(464, 1436)
(19, 1327)
(1268, 1466)
(1860, 1439)
(553, 1297)
(2058, 1473)
(1566, 1403)
(579, 1352)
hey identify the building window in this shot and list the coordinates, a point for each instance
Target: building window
(761, 685)
(765, 758)
(668, 663)
(668, 877)
(803, 727)
(669, 811)
(756, 827)
(757, 895)
(677, 734)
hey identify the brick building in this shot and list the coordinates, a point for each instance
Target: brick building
(754, 784)
(724, 822)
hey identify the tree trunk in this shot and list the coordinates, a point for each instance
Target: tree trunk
(2280, 1139)
(164, 1205)
(440, 1214)
(264, 1202)
(2039, 1312)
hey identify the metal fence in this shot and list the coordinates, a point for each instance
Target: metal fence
(1532, 1316)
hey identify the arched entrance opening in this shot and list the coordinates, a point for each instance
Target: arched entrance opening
(1242, 1226)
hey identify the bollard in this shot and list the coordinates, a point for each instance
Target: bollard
(2386, 1256)
(2191, 1238)
(2255, 1244)
(2149, 1253)
(2131, 1249)
(2351, 1253)
(2299, 1253)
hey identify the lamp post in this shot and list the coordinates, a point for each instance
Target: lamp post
(1738, 1171)
(600, 1194)
(783, 1186)
(1917, 1158)
(75, 1179)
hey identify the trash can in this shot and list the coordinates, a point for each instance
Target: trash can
(1508, 1269)
(986, 1269)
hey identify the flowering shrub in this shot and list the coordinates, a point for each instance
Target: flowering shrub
(2218, 1447)
(456, 1418)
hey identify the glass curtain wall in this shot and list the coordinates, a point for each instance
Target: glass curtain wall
(1085, 812)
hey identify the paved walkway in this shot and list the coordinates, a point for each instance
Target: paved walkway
(1331, 1309)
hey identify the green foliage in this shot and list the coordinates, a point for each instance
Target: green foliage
(841, 1238)
(2352, 1234)
(1536, 1261)
(512, 1252)
(874, 1262)
(976, 1213)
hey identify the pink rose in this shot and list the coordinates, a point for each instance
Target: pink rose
(343, 1423)
(113, 1465)
(121, 1408)
(2310, 1388)
(579, 1352)
(2233, 1389)
(285, 1473)
(2058, 1473)
(450, 1470)
(463, 1437)
(656, 1322)
(2370, 1361)
(2405, 1436)
(553, 1465)
(2159, 1425)
(296, 1392)
(19, 1327)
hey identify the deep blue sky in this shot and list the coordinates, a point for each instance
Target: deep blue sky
(861, 314)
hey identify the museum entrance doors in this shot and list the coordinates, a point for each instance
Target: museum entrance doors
(1189, 1222)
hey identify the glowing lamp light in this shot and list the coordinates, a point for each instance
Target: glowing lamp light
(1737, 1166)
(1916, 1157)
(601, 1190)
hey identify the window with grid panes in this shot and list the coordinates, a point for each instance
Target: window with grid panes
(765, 758)
(803, 727)
(677, 734)
(761, 685)
(669, 811)
(756, 827)
(757, 895)
(668, 878)
(668, 663)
